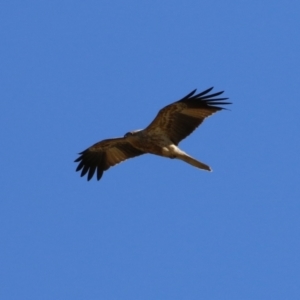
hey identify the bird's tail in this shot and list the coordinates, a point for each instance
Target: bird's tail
(192, 161)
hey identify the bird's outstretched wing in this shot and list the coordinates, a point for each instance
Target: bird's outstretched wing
(104, 155)
(181, 118)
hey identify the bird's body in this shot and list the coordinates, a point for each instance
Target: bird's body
(150, 143)
(161, 145)
(172, 124)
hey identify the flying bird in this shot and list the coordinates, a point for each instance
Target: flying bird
(172, 124)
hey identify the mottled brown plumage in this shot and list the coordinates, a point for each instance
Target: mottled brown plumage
(172, 124)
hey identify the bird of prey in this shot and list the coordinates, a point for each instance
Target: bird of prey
(172, 124)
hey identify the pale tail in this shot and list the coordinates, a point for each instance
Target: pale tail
(192, 161)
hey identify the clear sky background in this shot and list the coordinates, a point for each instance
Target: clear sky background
(75, 72)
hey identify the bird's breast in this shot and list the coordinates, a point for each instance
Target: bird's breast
(150, 144)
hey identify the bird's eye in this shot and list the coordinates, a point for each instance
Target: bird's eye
(128, 134)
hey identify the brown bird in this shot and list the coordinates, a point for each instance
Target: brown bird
(172, 124)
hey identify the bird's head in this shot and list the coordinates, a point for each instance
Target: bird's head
(130, 133)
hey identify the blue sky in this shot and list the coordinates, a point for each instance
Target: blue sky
(75, 72)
